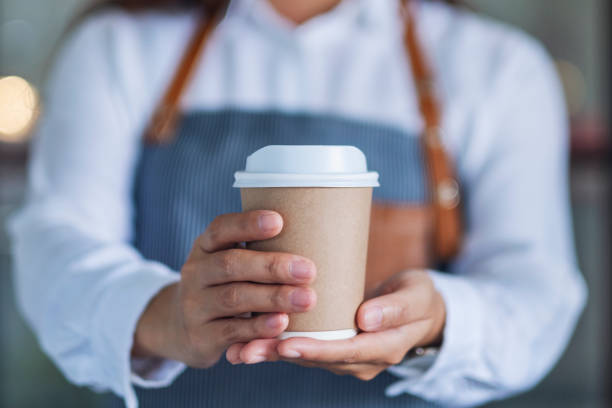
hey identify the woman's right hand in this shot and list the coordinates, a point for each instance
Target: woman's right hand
(194, 320)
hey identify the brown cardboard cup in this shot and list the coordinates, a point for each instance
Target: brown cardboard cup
(326, 218)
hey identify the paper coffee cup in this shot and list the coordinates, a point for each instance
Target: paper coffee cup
(324, 194)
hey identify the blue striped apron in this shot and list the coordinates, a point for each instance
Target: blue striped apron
(182, 187)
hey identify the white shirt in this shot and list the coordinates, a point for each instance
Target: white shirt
(514, 295)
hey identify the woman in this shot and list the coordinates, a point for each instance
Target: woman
(109, 221)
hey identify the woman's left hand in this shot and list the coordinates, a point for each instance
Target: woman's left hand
(405, 312)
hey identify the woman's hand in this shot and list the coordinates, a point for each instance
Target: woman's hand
(407, 312)
(195, 320)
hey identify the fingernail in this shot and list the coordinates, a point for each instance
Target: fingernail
(273, 322)
(256, 359)
(300, 270)
(373, 318)
(291, 353)
(269, 222)
(300, 298)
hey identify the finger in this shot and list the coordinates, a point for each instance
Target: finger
(240, 265)
(236, 298)
(232, 354)
(354, 369)
(228, 229)
(259, 350)
(406, 305)
(383, 347)
(227, 332)
(361, 348)
(396, 282)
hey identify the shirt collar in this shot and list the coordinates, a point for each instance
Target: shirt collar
(367, 13)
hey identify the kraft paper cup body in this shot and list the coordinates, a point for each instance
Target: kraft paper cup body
(324, 194)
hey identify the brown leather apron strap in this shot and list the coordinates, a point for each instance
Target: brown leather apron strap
(163, 122)
(444, 186)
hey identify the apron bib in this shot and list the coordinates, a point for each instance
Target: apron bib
(183, 186)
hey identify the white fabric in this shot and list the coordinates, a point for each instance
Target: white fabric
(515, 294)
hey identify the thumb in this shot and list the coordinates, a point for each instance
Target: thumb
(404, 305)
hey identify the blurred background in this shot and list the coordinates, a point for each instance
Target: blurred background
(577, 35)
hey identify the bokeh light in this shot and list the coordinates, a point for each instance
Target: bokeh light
(18, 109)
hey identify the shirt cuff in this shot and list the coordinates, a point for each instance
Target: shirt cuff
(114, 324)
(462, 339)
(155, 372)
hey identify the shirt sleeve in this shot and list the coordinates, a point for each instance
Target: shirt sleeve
(514, 294)
(80, 284)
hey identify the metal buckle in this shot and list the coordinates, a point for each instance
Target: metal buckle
(448, 194)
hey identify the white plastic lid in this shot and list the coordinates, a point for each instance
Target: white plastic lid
(306, 166)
